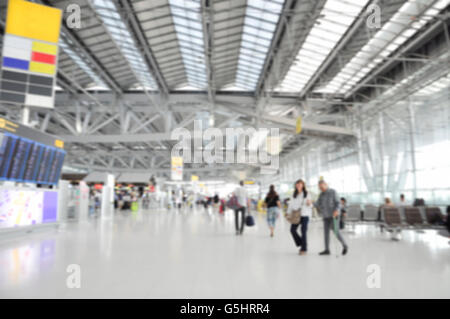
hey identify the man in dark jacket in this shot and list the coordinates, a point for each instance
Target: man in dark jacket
(328, 206)
(447, 221)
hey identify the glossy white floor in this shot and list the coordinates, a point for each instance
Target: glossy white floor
(160, 254)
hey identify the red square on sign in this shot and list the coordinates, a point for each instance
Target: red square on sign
(43, 58)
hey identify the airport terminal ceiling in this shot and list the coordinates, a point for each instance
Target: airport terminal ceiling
(131, 71)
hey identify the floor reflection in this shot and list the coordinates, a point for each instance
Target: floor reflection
(19, 263)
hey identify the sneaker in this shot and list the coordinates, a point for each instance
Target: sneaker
(345, 250)
(302, 253)
(324, 253)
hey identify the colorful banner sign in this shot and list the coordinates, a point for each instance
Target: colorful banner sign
(177, 169)
(20, 207)
(30, 54)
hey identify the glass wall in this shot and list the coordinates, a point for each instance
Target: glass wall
(405, 149)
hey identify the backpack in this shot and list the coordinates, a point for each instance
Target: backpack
(233, 203)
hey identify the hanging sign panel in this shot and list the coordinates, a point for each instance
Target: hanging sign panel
(30, 54)
(298, 125)
(177, 168)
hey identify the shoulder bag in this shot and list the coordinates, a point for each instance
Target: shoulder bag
(295, 216)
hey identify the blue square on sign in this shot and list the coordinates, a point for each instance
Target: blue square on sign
(15, 63)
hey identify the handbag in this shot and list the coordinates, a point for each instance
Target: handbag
(294, 217)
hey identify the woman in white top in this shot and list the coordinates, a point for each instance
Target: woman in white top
(301, 199)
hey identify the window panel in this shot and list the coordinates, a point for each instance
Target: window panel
(189, 30)
(336, 15)
(113, 22)
(388, 39)
(261, 18)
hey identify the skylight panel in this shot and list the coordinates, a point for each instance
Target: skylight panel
(336, 15)
(122, 38)
(187, 19)
(388, 39)
(74, 56)
(435, 87)
(261, 18)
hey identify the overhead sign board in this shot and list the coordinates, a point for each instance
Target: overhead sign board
(30, 54)
(28, 155)
(177, 168)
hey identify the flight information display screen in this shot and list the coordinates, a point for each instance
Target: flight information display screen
(26, 160)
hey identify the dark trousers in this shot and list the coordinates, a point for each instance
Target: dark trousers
(240, 228)
(301, 241)
(342, 221)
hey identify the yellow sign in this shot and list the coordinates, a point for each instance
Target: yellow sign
(249, 182)
(42, 68)
(177, 168)
(31, 20)
(59, 143)
(8, 125)
(194, 178)
(45, 48)
(298, 126)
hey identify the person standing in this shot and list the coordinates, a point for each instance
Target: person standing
(447, 219)
(403, 202)
(343, 211)
(272, 202)
(243, 202)
(328, 206)
(216, 203)
(301, 200)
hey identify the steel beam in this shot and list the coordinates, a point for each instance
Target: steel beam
(276, 42)
(116, 138)
(207, 9)
(382, 68)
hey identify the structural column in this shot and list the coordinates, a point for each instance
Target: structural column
(412, 141)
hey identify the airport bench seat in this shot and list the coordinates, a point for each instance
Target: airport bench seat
(413, 217)
(392, 220)
(434, 216)
(353, 213)
(371, 213)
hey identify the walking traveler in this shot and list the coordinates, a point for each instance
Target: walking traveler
(272, 202)
(300, 201)
(328, 206)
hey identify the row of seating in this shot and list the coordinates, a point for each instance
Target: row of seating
(412, 217)
(356, 214)
(387, 216)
